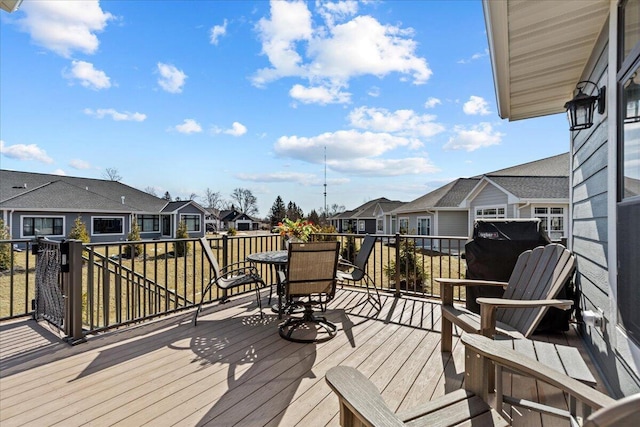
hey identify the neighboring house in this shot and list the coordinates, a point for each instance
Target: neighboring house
(212, 220)
(539, 52)
(34, 204)
(383, 219)
(538, 189)
(233, 218)
(363, 219)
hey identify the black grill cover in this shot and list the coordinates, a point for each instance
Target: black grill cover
(492, 254)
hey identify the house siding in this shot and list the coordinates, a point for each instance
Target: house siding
(453, 223)
(590, 239)
(490, 196)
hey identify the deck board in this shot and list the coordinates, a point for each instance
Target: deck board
(232, 369)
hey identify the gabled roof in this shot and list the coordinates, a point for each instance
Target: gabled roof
(179, 204)
(85, 194)
(541, 179)
(365, 210)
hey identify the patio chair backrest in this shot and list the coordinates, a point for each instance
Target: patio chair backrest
(363, 256)
(539, 274)
(312, 268)
(206, 250)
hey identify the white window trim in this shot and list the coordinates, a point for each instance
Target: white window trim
(64, 225)
(475, 208)
(428, 218)
(565, 216)
(362, 225)
(152, 231)
(199, 222)
(401, 220)
(108, 217)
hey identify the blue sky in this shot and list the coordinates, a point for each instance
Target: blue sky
(182, 96)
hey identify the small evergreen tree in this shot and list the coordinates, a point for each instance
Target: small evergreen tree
(181, 248)
(5, 248)
(278, 212)
(79, 231)
(132, 251)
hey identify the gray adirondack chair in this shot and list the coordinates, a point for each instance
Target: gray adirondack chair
(362, 405)
(536, 280)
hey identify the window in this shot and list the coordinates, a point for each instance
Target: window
(552, 221)
(404, 225)
(42, 226)
(107, 225)
(148, 223)
(393, 225)
(380, 224)
(345, 225)
(192, 221)
(361, 225)
(490, 213)
(424, 226)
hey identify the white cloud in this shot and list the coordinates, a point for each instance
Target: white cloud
(101, 113)
(305, 179)
(319, 95)
(59, 172)
(25, 152)
(88, 76)
(385, 167)
(79, 164)
(171, 79)
(476, 105)
(330, 55)
(432, 102)
(217, 31)
(474, 57)
(189, 126)
(473, 138)
(65, 26)
(374, 92)
(237, 129)
(403, 122)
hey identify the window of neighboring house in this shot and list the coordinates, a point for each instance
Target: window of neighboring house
(490, 212)
(107, 225)
(393, 224)
(380, 224)
(361, 225)
(552, 221)
(192, 221)
(345, 225)
(33, 226)
(424, 226)
(403, 223)
(148, 223)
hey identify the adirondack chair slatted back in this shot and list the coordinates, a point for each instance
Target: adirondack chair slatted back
(538, 274)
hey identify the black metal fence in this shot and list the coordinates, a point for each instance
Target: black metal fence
(129, 282)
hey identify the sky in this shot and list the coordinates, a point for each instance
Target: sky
(374, 98)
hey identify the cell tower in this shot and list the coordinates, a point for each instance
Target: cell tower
(325, 181)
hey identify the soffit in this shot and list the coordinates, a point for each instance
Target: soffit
(539, 50)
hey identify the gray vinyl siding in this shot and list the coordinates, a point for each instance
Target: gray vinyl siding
(453, 223)
(491, 196)
(590, 239)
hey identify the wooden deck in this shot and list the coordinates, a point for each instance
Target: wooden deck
(232, 369)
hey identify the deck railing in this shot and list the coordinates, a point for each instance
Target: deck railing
(130, 282)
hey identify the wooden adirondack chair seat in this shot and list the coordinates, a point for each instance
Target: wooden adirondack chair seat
(362, 405)
(537, 278)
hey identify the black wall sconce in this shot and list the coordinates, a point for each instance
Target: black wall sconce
(631, 96)
(580, 108)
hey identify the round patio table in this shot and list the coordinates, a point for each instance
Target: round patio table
(278, 261)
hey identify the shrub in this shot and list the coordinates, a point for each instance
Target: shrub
(5, 248)
(132, 251)
(181, 248)
(411, 271)
(232, 231)
(79, 231)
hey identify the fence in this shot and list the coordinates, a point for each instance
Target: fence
(130, 282)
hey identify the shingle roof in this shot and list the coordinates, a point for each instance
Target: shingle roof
(550, 166)
(536, 187)
(447, 196)
(46, 191)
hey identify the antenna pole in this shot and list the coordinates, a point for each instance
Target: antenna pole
(325, 182)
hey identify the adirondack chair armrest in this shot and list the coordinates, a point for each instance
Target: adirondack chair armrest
(360, 401)
(518, 362)
(488, 307)
(563, 304)
(469, 282)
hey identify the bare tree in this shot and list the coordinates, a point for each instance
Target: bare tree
(151, 190)
(111, 174)
(212, 199)
(245, 201)
(193, 196)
